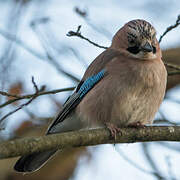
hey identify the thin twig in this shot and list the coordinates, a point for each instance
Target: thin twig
(9, 95)
(17, 109)
(25, 104)
(28, 96)
(171, 73)
(174, 66)
(78, 34)
(170, 28)
(35, 86)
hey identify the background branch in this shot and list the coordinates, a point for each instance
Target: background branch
(28, 96)
(170, 28)
(78, 34)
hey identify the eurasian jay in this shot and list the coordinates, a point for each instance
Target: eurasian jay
(124, 86)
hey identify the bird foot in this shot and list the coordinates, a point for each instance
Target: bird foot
(137, 125)
(113, 130)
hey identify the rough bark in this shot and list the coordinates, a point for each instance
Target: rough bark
(29, 145)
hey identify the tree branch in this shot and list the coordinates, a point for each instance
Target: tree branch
(28, 96)
(170, 28)
(37, 90)
(174, 66)
(78, 34)
(29, 145)
(171, 73)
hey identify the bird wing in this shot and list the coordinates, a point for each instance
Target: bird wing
(82, 89)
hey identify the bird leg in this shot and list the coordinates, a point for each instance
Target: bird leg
(113, 129)
(137, 125)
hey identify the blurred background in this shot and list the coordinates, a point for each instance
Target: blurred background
(34, 43)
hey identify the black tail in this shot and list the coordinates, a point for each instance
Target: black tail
(33, 162)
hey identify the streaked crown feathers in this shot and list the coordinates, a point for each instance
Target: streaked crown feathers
(140, 29)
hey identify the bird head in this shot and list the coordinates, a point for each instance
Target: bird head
(138, 39)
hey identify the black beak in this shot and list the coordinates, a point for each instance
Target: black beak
(147, 47)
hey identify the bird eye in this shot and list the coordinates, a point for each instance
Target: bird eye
(134, 49)
(154, 49)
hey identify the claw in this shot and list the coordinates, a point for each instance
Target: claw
(113, 130)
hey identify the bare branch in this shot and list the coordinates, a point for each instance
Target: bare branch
(91, 137)
(170, 28)
(171, 73)
(9, 95)
(28, 96)
(35, 85)
(78, 34)
(174, 66)
(17, 109)
(25, 104)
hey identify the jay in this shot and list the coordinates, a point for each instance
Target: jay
(123, 86)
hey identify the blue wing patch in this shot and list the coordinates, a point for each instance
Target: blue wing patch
(89, 83)
(71, 103)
